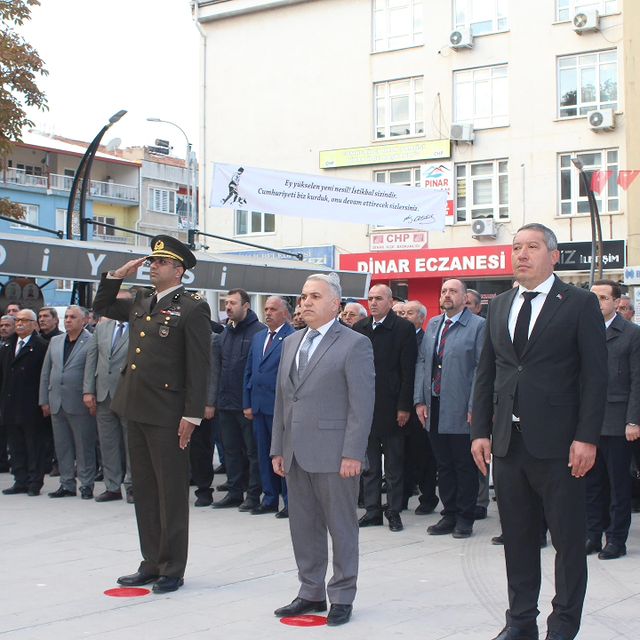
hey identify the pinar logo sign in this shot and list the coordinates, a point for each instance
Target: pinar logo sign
(624, 178)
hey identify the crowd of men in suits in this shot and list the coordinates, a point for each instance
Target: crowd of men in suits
(425, 387)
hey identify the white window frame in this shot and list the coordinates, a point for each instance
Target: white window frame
(383, 95)
(474, 81)
(467, 212)
(467, 15)
(383, 176)
(162, 200)
(64, 285)
(249, 223)
(566, 9)
(101, 231)
(390, 30)
(32, 216)
(581, 64)
(577, 205)
(61, 223)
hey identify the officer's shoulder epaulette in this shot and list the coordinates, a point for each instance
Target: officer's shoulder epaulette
(192, 294)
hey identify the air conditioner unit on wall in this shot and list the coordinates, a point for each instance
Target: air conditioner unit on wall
(585, 21)
(461, 39)
(483, 228)
(462, 132)
(601, 120)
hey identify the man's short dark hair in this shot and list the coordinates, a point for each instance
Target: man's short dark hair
(52, 310)
(616, 290)
(244, 296)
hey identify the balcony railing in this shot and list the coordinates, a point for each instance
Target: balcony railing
(107, 238)
(20, 176)
(60, 182)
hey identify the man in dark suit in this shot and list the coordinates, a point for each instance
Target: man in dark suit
(322, 418)
(538, 405)
(162, 395)
(395, 350)
(608, 485)
(259, 397)
(20, 366)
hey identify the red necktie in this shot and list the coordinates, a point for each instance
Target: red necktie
(269, 342)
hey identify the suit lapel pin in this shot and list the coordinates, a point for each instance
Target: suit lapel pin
(559, 296)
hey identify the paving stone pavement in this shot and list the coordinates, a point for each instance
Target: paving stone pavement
(59, 556)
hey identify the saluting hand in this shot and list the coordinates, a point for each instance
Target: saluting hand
(128, 268)
(184, 432)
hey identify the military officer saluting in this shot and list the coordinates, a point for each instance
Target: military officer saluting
(162, 394)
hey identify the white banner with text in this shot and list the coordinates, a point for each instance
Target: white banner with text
(327, 198)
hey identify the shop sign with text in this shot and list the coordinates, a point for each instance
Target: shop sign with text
(398, 240)
(464, 262)
(439, 176)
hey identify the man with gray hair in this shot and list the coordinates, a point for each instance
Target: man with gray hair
(626, 308)
(7, 328)
(353, 311)
(322, 418)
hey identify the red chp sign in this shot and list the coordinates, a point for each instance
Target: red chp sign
(465, 262)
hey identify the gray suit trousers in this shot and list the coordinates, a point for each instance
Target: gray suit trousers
(317, 502)
(112, 433)
(74, 436)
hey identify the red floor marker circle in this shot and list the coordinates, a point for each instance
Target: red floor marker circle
(304, 621)
(126, 592)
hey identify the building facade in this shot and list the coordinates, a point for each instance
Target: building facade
(488, 99)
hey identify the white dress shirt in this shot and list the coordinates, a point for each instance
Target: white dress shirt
(317, 340)
(536, 304)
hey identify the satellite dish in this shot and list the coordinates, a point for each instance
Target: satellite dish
(113, 144)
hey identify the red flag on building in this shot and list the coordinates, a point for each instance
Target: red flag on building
(625, 178)
(599, 180)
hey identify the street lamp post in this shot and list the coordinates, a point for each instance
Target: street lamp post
(190, 178)
(81, 290)
(596, 226)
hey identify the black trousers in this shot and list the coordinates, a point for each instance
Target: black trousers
(27, 448)
(420, 466)
(524, 486)
(240, 455)
(201, 458)
(393, 449)
(609, 491)
(457, 472)
(160, 477)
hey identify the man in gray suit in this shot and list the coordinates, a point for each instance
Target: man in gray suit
(321, 423)
(447, 361)
(74, 428)
(608, 484)
(106, 357)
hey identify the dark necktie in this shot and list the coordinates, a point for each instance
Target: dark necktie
(375, 324)
(521, 336)
(117, 335)
(303, 355)
(437, 378)
(269, 342)
(521, 332)
(154, 300)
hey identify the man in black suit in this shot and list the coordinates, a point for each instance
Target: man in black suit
(20, 366)
(538, 405)
(395, 351)
(608, 485)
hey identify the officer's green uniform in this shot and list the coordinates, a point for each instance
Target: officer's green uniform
(165, 379)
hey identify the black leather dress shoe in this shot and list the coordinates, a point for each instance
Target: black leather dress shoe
(339, 614)
(497, 540)
(425, 508)
(264, 508)
(552, 635)
(300, 606)
(33, 491)
(443, 527)
(108, 496)
(248, 505)
(592, 546)
(516, 633)
(370, 520)
(14, 490)
(283, 513)
(220, 470)
(203, 501)
(480, 513)
(61, 492)
(137, 579)
(226, 502)
(395, 524)
(166, 584)
(130, 499)
(612, 551)
(223, 487)
(461, 532)
(86, 493)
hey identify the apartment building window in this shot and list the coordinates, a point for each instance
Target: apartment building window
(407, 177)
(480, 16)
(64, 285)
(31, 214)
(99, 230)
(162, 200)
(482, 190)
(566, 9)
(61, 223)
(250, 222)
(573, 197)
(397, 24)
(481, 97)
(587, 82)
(399, 108)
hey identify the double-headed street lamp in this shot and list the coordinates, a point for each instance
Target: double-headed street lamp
(191, 222)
